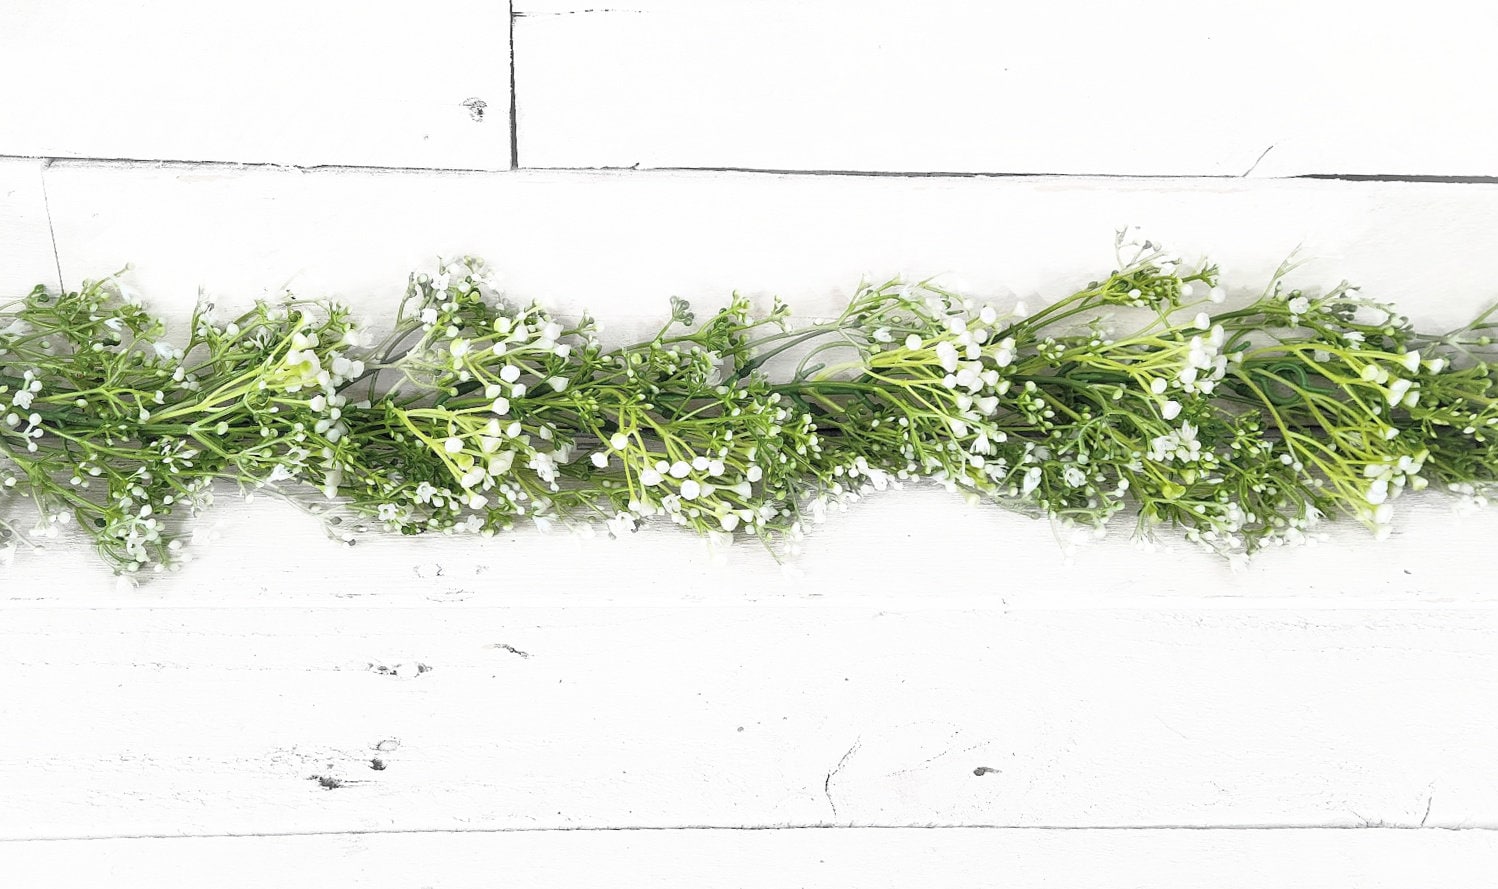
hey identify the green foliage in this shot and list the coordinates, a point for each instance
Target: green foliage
(1144, 393)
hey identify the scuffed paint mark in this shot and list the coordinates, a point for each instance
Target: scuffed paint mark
(827, 784)
(403, 670)
(476, 108)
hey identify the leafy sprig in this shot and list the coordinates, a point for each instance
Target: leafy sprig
(1143, 393)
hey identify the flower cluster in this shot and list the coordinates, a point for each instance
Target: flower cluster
(1144, 392)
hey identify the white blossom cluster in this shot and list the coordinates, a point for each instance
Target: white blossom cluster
(1141, 392)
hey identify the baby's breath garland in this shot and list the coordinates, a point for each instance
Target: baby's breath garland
(1145, 392)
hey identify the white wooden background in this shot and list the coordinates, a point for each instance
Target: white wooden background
(934, 694)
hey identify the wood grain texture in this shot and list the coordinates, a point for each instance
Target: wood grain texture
(26, 256)
(1163, 87)
(324, 82)
(823, 859)
(221, 720)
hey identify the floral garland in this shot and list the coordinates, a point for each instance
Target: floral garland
(1144, 392)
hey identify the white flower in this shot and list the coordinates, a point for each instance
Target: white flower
(1180, 445)
(912, 342)
(1398, 390)
(946, 353)
(428, 315)
(619, 441)
(621, 524)
(680, 469)
(509, 373)
(501, 464)
(1004, 354)
(545, 467)
(22, 399)
(1299, 305)
(650, 478)
(345, 368)
(690, 489)
(1170, 410)
(501, 406)
(331, 481)
(600, 459)
(1217, 295)
(453, 445)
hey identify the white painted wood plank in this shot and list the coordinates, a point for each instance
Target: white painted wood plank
(619, 244)
(26, 257)
(866, 859)
(282, 81)
(880, 553)
(1082, 86)
(226, 721)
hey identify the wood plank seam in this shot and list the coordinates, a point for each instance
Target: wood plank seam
(514, 106)
(752, 828)
(167, 163)
(184, 163)
(969, 174)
